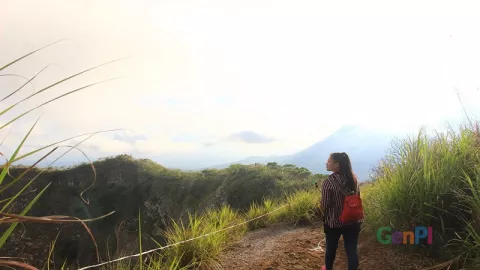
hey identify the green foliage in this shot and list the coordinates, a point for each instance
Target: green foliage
(247, 184)
(259, 210)
(421, 183)
(163, 264)
(470, 200)
(121, 265)
(10, 229)
(223, 218)
(301, 207)
(203, 251)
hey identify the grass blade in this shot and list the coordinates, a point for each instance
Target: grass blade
(10, 229)
(41, 172)
(51, 100)
(18, 264)
(20, 76)
(5, 169)
(28, 54)
(26, 171)
(11, 218)
(23, 85)
(94, 173)
(49, 259)
(68, 78)
(58, 142)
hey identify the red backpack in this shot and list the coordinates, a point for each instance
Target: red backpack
(352, 206)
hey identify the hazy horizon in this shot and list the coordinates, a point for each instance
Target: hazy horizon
(210, 82)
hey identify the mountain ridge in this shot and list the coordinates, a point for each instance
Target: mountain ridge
(364, 146)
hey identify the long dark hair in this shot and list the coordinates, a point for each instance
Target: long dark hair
(345, 168)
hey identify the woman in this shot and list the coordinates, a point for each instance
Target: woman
(340, 182)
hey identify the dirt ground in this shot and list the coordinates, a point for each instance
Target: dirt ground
(282, 246)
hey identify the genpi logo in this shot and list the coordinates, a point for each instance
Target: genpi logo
(386, 235)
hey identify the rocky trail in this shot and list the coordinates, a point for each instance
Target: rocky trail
(283, 246)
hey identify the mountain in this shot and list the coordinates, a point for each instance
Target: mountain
(365, 147)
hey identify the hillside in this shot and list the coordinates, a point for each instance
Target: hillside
(364, 146)
(127, 186)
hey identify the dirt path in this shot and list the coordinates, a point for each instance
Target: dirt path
(282, 246)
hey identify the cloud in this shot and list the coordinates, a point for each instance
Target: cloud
(247, 136)
(209, 144)
(250, 137)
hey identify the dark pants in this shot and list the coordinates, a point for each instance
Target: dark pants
(350, 239)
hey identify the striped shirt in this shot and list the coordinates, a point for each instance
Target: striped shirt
(332, 200)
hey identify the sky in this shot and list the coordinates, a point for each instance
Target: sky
(207, 82)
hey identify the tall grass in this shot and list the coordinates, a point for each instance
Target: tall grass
(152, 263)
(6, 217)
(469, 199)
(257, 210)
(203, 252)
(214, 230)
(301, 207)
(223, 218)
(418, 184)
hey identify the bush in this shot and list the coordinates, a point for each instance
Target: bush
(259, 210)
(301, 207)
